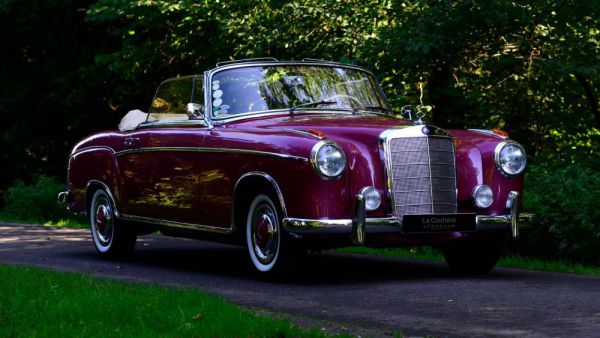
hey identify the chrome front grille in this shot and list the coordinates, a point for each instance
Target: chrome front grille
(423, 175)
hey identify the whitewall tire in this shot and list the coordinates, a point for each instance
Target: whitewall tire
(263, 234)
(111, 239)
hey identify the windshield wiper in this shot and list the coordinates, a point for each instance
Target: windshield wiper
(310, 104)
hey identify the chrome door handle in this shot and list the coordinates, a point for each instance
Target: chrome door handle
(130, 141)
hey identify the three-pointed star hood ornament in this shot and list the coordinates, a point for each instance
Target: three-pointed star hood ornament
(408, 112)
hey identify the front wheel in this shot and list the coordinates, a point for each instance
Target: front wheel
(264, 235)
(111, 238)
(473, 258)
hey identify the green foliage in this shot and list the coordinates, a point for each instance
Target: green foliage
(36, 203)
(565, 201)
(76, 67)
(70, 68)
(42, 303)
(581, 149)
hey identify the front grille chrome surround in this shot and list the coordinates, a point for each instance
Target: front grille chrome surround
(421, 170)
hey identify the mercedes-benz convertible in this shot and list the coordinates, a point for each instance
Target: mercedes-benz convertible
(282, 157)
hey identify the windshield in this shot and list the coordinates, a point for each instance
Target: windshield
(264, 88)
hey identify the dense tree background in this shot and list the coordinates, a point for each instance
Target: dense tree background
(70, 68)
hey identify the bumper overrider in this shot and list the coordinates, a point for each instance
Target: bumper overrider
(64, 197)
(359, 225)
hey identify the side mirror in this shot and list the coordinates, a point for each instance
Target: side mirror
(195, 111)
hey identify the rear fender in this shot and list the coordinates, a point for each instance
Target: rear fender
(91, 169)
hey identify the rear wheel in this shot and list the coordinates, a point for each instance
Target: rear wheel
(473, 258)
(111, 238)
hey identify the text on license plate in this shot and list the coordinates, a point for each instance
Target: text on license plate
(438, 223)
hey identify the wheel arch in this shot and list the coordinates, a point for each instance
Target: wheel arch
(94, 185)
(246, 188)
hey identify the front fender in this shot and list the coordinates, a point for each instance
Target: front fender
(476, 165)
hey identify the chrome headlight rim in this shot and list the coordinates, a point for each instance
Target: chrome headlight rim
(314, 161)
(497, 152)
(475, 193)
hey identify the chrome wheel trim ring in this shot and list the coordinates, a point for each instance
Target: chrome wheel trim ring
(102, 221)
(262, 233)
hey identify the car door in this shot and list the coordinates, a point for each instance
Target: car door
(161, 168)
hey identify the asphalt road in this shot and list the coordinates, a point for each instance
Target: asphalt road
(364, 295)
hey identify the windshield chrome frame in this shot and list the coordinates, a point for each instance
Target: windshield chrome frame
(208, 89)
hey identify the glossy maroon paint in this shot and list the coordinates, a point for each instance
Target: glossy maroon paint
(198, 186)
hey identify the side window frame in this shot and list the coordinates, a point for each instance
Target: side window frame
(193, 96)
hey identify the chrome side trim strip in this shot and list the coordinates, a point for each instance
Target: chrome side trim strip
(181, 225)
(305, 133)
(211, 150)
(173, 224)
(489, 133)
(92, 148)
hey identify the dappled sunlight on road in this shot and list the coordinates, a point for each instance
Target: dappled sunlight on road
(19, 237)
(387, 293)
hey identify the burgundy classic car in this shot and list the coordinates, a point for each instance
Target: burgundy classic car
(282, 157)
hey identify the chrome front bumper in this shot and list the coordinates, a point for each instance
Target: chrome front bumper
(359, 225)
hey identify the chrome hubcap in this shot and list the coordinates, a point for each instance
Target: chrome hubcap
(103, 221)
(265, 235)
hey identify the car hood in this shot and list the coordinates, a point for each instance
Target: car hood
(332, 126)
(359, 137)
(363, 128)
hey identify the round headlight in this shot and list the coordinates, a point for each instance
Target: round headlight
(328, 159)
(510, 158)
(372, 198)
(483, 196)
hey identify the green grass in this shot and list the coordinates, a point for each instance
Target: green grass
(511, 261)
(426, 253)
(544, 265)
(42, 303)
